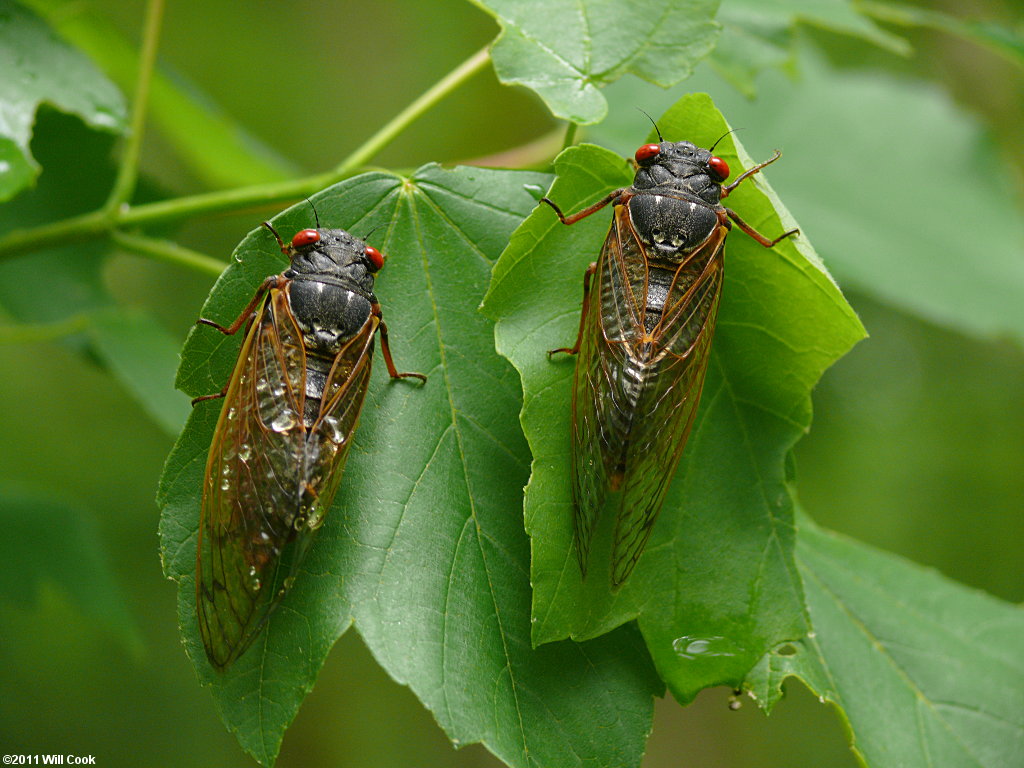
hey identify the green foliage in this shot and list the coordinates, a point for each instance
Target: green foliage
(933, 651)
(937, 230)
(53, 544)
(464, 589)
(218, 149)
(758, 35)
(566, 50)
(1005, 41)
(39, 68)
(140, 353)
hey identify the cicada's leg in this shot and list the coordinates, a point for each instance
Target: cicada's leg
(575, 348)
(385, 348)
(611, 197)
(729, 188)
(232, 329)
(754, 233)
(736, 217)
(216, 396)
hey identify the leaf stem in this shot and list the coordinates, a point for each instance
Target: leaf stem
(224, 200)
(85, 227)
(570, 135)
(32, 333)
(403, 119)
(117, 213)
(128, 170)
(168, 252)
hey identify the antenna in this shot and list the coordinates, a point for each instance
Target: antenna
(316, 216)
(712, 149)
(656, 128)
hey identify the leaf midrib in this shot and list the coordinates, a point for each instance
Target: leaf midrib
(877, 644)
(428, 277)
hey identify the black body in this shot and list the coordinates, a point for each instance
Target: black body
(330, 294)
(674, 201)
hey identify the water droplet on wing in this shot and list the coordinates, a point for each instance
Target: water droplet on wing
(283, 421)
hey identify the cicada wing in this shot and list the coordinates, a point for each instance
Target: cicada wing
(614, 316)
(666, 399)
(623, 289)
(344, 393)
(589, 478)
(252, 492)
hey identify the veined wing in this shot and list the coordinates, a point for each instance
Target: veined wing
(244, 526)
(600, 406)
(344, 393)
(266, 475)
(665, 377)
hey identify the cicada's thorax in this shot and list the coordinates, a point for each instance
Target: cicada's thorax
(330, 294)
(674, 208)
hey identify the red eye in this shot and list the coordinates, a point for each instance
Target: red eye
(305, 237)
(646, 152)
(719, 167)
(376, 257)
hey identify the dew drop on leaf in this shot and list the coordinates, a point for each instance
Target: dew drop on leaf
(691, 648)
(534, 191)
(316, 518)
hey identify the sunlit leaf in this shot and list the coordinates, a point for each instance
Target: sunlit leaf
(565, 50)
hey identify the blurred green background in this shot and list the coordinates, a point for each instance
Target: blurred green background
(916, 445)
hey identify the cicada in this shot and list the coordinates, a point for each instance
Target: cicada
(649, 307)
(289, 413)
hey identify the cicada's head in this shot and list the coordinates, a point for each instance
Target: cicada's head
(333, 253)
(683, 166)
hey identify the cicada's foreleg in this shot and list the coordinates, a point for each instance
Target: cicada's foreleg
(736, 217)
(231, 330)
(611, 197)
(575, 348)
(729, 188)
